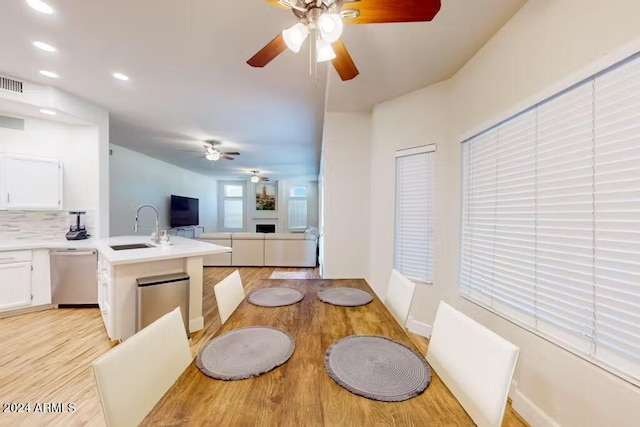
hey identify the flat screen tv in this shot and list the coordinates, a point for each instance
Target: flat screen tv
(184, 211)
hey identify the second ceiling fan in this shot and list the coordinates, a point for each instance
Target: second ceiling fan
(322, 20)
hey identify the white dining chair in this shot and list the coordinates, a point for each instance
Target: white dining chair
(475, 363)
(134, 375)
(399, 296)
(229, 294)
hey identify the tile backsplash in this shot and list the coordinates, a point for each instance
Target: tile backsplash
(40, 225)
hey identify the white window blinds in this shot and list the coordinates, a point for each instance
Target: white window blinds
(551, 219)
(233, 214)
(233, 207)
(297, 213)
(413, 255)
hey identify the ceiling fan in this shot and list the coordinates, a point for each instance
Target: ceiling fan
(213, 154)
(323, 20)
(255, 177)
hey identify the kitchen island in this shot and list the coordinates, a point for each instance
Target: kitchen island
(119, 269)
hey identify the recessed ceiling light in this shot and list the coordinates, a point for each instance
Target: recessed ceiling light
(40, 6)
(44, 46)
(49, 74)
(120, 76)
(48, 112)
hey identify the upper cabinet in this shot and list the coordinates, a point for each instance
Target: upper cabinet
(30, 183)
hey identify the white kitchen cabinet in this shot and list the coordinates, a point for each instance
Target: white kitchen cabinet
(31, 183)
(105, 295)
(15, 280)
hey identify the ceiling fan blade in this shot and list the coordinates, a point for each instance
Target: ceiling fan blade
(381, 11)
(222, 156)
(343, 63)
(192, 151)
(230, 153)
(274, 48)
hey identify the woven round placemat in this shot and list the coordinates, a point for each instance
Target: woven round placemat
(275, 297)
(245, 353)
(346, 297)
(377, 368)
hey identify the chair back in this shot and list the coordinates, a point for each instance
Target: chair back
(399, 296)
(474, 362)
(229, 294)
(134, 375)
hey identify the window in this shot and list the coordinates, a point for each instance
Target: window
(233, 215)
(551, 219)
(413, 246)
(297, 207)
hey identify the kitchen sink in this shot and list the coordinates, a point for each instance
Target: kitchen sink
(131, 246)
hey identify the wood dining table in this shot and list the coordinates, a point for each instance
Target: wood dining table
(300, 392)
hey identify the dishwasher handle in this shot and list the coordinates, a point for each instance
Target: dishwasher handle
(73, 252)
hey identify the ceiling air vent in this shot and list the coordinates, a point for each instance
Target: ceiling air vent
(11, 85)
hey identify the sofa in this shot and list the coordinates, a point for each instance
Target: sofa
(263, 249)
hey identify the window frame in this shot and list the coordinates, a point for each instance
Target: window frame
(429, 149)
(297, 198)
(591, 356)
(223, 198)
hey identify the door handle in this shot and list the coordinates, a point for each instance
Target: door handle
(73, 253)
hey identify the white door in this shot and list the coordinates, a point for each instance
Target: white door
(15, 285)
(32, 183)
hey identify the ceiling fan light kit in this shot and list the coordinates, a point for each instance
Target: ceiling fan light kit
(255, 177)
(212, 154)
(324, 19)
(324, 51)
(295, 36)
(330, 26)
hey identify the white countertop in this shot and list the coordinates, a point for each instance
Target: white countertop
(18, 245)
(180, 247)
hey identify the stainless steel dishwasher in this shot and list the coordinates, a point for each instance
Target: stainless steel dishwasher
(158, 295)
(73, 277)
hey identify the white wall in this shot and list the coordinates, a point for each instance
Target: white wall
(545, 47)
(413, 120)
(346, 171)
(99, 118)
(136, 179)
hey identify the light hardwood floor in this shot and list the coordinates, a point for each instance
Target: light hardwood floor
(45, 357)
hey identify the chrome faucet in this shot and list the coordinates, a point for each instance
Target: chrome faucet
(156, 235)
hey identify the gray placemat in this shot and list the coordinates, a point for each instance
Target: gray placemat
(346, 297)
(275, 297)
(377, 368)
(245, 353)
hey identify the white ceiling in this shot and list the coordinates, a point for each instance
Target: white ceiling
(190, 81)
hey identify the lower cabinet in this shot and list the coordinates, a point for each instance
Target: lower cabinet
(15, 285)
(105, 292)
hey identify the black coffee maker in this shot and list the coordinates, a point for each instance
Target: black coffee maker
(77, 231)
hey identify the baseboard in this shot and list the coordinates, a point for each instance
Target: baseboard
(196, 324)
(528, 410)
(26, 310)
(418, 327)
